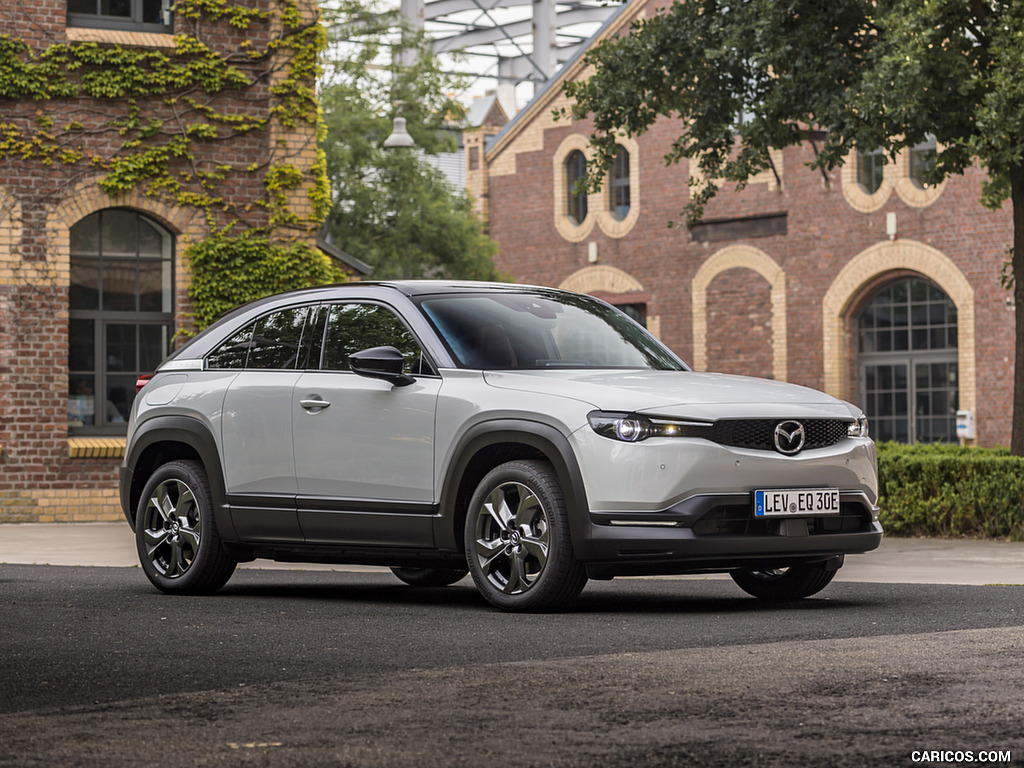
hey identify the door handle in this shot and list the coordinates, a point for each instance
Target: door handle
(314, 404)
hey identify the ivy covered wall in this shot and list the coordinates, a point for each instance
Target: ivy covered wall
(211, 131)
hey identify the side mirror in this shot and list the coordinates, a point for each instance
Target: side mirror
(381, 363)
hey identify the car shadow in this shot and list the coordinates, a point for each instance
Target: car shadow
(634, 596)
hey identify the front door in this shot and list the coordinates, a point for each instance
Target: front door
(364, 448)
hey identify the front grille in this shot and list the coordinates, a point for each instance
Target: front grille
(759, 434)
(739, 520)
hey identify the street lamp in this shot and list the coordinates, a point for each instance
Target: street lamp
(399, 137)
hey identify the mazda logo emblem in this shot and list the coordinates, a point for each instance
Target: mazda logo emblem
(789, 437)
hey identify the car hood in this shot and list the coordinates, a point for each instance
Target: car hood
(678, 394)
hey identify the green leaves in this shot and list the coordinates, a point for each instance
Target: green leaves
(231, 270)
(744, 78)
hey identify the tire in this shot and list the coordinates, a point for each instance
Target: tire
(430, 577)
(518, 546)
(175, 533)
(782, 584)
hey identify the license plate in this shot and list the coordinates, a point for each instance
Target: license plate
(800, 501)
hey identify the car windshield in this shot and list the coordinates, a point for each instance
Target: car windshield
(528, 331)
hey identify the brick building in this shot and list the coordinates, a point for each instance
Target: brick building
(93, 283)
(864, 282)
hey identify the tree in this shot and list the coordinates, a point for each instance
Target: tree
(390, 207)
(745, 77)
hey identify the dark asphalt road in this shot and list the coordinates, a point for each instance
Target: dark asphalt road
(319, 668)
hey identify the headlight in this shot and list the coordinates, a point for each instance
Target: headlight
(632, 427)
(858, 428)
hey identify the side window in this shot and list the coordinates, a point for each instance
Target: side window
(354, 327)
(312, 338)
(276, 340)
(289, 339)
(232, 353)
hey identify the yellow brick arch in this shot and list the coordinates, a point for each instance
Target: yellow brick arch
(601, 278)
(741, 257)
(865, 268)
(87, 198)
(607, 279)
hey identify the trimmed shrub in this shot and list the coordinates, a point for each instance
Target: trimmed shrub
(946, 490)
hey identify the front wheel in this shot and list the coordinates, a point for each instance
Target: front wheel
(781, 584)
(176, 536)
(518, 546)
(429, 577)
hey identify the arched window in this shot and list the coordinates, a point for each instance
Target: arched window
(575, 170)
(120, 314)
(619, 186)
(870, 170)
(907, 363)
(922, 159)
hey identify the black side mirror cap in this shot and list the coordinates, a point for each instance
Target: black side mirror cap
(381, 363)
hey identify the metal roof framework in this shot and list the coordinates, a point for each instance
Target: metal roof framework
(511, 41)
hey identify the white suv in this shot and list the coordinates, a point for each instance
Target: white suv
(532, 437)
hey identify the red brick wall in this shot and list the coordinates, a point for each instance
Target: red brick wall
(739, 319)
(824, 233)
(38, 478)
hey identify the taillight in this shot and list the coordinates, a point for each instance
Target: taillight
(142, 381)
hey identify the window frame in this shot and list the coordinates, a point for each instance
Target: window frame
(132, 23)
(425, 361)
(319, 313)
(102, 320)
(911, 358)
(576, 208)
(619, 180)
(877, 157)
(917, 167)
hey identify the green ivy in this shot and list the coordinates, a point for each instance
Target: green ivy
(230, 270)
(157, 154)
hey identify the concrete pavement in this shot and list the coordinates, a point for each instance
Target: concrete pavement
(906, 561)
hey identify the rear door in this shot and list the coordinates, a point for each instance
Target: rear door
(259, 465)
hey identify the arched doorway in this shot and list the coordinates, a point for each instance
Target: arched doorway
(907, 362)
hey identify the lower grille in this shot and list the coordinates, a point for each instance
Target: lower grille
(739, 520)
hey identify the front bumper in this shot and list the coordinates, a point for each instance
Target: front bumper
(718, 532)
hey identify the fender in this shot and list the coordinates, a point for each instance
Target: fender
(538, 436)
(196, 435)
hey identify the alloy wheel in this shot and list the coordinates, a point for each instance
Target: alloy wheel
(171, 534)
(513, 536)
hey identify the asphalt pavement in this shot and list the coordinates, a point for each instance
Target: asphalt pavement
(896, 561)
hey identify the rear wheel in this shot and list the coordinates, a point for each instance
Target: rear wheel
(517, 539)
(176, 536)
(793, 583)
(430, 577)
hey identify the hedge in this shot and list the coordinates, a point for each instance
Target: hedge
(949, 491)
